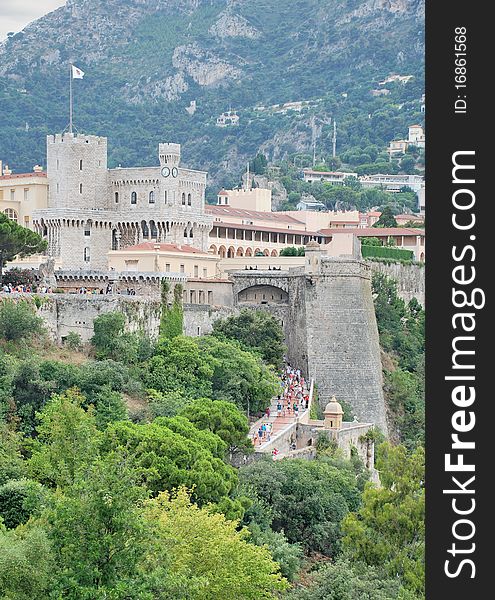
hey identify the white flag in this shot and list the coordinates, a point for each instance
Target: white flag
(77, 73)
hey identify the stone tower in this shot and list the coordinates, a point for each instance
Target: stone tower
(77, 171)
(343, 349)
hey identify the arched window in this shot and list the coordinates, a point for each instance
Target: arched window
(188, 199)
(80, 188)
(183, 199)
(152, 197)
(80, 165)
(116, 197)
(86, 254)
(133, 197)
(185, 233)
(11, 214)
(191, 233)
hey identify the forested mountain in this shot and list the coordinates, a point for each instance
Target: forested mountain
(146, 60)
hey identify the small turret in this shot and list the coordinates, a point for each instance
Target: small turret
(312, 252)
(333, 415)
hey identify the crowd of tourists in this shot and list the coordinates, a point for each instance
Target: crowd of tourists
(292, 400)
(25, 289)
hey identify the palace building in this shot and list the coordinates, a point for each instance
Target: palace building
(92, 209)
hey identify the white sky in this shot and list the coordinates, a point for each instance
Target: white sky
(16, 14)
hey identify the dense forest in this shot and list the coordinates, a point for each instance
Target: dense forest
(116, 476)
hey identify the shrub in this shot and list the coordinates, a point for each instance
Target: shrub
(73, 341)
(18, 320)
(19, 499)
(386, 252)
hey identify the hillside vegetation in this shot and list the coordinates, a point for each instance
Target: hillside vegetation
(146, 60)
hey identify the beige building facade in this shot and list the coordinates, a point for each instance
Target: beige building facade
(23, 193)
(153, 257)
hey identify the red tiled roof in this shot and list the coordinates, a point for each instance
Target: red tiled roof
(250, 214)
(20, 175)
(184, 248)
(376, 231)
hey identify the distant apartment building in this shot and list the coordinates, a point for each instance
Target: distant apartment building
(228, 119)
(392, 183)
(416, 137)
(332, 177)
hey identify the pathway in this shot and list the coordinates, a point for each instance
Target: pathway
(279, 424)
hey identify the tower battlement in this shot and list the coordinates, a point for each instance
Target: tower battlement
(78, 138)
(169, 154)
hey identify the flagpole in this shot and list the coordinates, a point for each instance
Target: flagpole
(70, 99)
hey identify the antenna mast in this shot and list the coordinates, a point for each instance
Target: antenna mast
(334, 139)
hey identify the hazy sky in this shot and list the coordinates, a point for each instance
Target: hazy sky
(16, 14)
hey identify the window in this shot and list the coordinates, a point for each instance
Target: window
(26, 194)
(80, 188)
(116, 197)
(58, 187)
(182, 268)
(26, 221)
(12, 195)
(134, 198)
(191, 233)
(11, 214)
(205, 272)
(87, 230)
(152, 197)
(165, 196)
(185, 233)
(183, 199)
(58, 164)
(196, 271)
(80, 165)
(167, 267)
(86, 254)
(188, 199)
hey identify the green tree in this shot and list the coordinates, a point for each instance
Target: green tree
(27, 564)
(307, 500)
(12, 464)
(109, 407)
(68, 440)
(222, 418)
(170, 453)
(20, 499)
(346, 580)
(255, 330)
(288, 556)
(208, 549)
(386, 219)
(179, 365)
(388, 529)
(16, 240)
(73, 341)
(98, 534)
(238, 376)
(18, 320)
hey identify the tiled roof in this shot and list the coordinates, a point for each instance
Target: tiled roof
(226, 211)
(21, 175)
